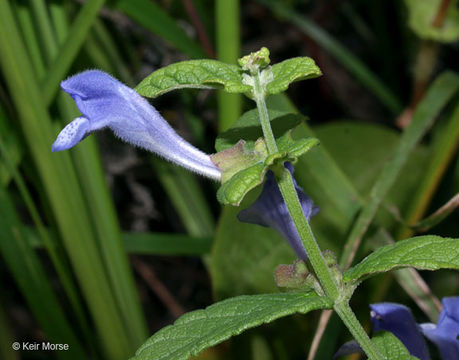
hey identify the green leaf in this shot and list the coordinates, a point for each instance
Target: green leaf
(438, 95)
(427, 252)
(245, 162)
(248, 128)
(198, 330)
(391, 347)
(151, 16)
(244, 256)
(239, 157)
(295, 148)
(291, 70)
(198, 74)
(233, 191)
(422, 15)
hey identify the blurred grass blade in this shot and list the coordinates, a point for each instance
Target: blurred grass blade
(108, 46)
(415, 286)
(228, 51)
(149, 243)
(159, 22)
(438, 95)
(46, 33)
(26, 24)
(438, 216)
(166, 244)
(33, 282)
(60, 183)
(11, 147)
(91, 175)
(70, 48)
(185, 194)
(353, 64)
(444, 150)
(59, 265)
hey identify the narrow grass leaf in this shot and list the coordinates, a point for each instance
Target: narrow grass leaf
(438, 216)
(28, 273)
(185, 194)
(182, 187)
(443, 152)
(89, 169)
(147, 243)
(59, 264)
(438, 95)
(11, 148)
(60, 183)
(70, 48)
(228, 44)
(159, 22)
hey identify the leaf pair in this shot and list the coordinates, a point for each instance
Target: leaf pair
(201, 329)
(245, 163)
(213, 74)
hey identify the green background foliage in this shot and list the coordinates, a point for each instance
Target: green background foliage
(68, 241)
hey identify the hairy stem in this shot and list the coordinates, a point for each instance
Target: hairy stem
(316, 258)
(259, 95)
(347, 315)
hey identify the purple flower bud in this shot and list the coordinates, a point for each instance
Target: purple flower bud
(270, 210)
(445, 334)
(399, 321)
(107, 103)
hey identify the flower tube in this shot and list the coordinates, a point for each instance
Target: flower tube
(104, 102)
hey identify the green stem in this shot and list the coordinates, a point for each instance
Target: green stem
(259, 95)
(347, 315)
(316, 258)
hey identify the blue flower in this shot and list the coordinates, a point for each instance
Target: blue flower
(270, 210)
(399, 321)
(445, 334)
(107, 103)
